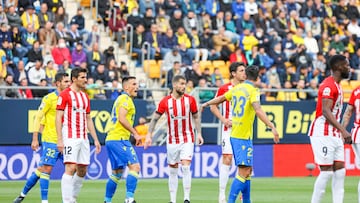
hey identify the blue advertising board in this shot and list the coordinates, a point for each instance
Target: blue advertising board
(18, 162)
(292, 120)
(17, 116)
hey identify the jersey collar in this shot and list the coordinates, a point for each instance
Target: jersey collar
(249, 82)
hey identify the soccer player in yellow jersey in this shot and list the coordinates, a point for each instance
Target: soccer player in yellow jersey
(45, 116)
(120, 151)
(245, 104)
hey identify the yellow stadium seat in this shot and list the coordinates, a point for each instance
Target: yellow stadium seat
(152, 69)
(218, 63)
(347, 88)
(206, 64)
(270, 98)
(354, 83)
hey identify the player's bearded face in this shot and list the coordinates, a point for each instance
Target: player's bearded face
(180, 87)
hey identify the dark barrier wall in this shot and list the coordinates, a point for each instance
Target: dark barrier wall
(292, 120)
(16, 119)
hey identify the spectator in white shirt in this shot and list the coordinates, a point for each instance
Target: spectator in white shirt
(354, 27)
(36, 73)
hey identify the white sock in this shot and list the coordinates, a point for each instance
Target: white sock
(66, 188)
(338, 185)
(320, 186)
(44, 201)
(22, 194)
(129, 200)
(359, 192)
(223, 179)
(173, 183)
(77, 184)
(186, 181)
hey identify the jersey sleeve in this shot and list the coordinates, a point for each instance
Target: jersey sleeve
(162, 107)
(353, 97)
(43, 108)
(193, 105)
(228, 94)
(255, 95)
(62, 101)
(329, 92)
(124, 102)
(221, 91)
(88, 109)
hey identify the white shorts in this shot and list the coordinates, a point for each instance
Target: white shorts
(327, 150)
(356, 149)
(225, 143)
(77, 151)
(178, 152)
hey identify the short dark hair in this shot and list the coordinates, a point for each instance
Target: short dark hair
(60, 76)
(233, 67)
(252, 72)
(176, 78)
(127, 78)
(76, 72)
(335, 61)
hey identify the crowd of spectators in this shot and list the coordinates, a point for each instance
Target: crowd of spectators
(289, 40)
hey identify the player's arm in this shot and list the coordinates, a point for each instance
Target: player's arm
(126, 124)
(262, 116)
(152, 124)
(326, 111)
(58, 125)
(92, 131)
(214, 101)
(215, 110)
(196, 117)
(347, 115)
(40, 114)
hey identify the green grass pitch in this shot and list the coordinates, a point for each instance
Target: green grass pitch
(264, 190)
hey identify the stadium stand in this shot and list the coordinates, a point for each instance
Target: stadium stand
(281, 33)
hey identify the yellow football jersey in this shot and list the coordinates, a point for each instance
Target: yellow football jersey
(243, 114)
(46, 116)
(117, 131)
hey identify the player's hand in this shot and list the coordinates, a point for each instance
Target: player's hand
(347, 137)
(35, 145)
(200, 139)
(60, 146)
(138, 139)
(276, 135)
(148, 141)
(98, 147)
(228, 123)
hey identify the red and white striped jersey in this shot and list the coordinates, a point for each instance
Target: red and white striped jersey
(329, 89)
(355, 102)
(226, 106)
(179, 117)
(75, 106)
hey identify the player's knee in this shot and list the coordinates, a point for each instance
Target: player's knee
(185, 169)
(46, 169)
(227, 159)
(338, 165)
(81, 171)
(135, 167)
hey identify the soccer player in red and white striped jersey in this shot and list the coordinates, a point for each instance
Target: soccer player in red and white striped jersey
(354, 107)
(327, 134)
(180, 109)
(237, 76)
(72, 122)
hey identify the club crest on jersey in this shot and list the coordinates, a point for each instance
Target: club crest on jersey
(326, 91)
